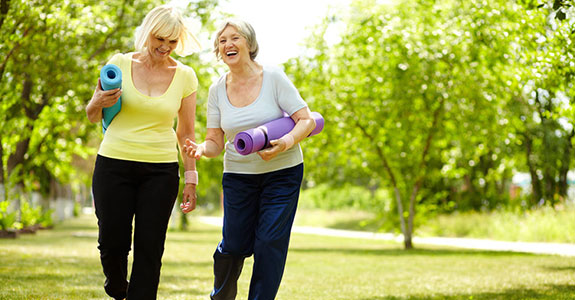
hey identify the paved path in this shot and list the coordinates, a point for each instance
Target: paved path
(536, 248)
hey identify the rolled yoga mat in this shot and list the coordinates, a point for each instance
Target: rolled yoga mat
(110, 78)
(256, 139)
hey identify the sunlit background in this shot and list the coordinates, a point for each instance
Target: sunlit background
(444, 119)
(281, 26)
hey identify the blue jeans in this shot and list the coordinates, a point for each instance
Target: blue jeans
(124, 190)
(259, 210)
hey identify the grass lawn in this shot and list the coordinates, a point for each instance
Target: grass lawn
(63, 263)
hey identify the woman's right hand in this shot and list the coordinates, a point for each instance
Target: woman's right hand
(189, 198)
(101, 99)
(194, 150)
(106, 98)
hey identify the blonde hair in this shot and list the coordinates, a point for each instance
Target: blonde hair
(167, 22)
(245, 29)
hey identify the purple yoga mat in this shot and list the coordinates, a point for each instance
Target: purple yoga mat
(256, 139)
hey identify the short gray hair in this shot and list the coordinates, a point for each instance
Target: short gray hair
(245, 29)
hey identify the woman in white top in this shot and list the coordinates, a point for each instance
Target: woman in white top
(261, 189)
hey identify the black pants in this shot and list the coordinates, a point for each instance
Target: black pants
(123, 190)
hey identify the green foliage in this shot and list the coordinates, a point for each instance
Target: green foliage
(51, 55)
(402, 91)
(48, 49)
(344, 197)
(7, 219)
(543, 225)
(443, 105)
(546, 112)
(77, 209)
(29, 216)
(46, 220)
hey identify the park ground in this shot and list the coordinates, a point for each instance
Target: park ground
(62, 263)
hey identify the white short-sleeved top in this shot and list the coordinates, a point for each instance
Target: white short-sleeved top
(277, 95)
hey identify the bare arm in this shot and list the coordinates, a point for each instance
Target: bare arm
(186, 127)
(101, 99)
(185, 130)
(304, 125)
(211, 147)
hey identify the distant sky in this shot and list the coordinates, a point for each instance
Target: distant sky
(280, 25)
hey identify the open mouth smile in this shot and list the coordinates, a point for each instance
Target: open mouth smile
(163, 52)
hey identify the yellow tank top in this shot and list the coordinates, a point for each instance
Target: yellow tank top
(143, 130)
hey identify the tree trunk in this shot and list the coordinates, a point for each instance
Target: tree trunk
(402, 218)
(566, 162)
(3, 185)
(17, 158)
(4, 7)
(421, 171)
(550, 185)
(408, 240)
(183, 221)
(1, 163)
(404, 230)
(536, 192)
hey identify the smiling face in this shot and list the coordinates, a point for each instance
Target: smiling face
(232, 46)
(160, 47)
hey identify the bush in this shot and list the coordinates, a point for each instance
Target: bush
(345, 197)
(29, 216)
(45, 220)
(7, 219)
(545, 224)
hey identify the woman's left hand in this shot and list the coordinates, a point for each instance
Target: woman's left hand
(189, 199)
(278, 146)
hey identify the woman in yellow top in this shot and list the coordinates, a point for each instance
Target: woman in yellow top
(136, 173)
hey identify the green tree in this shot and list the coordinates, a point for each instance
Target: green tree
(48, 48)
(410, 98)
(50, 56)
(547, 130)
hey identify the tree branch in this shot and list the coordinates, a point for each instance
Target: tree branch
(423, 162)
(16, 47)
(17, 157)
(1, 165)
(389, 171)
(119, 24)
(558, 7)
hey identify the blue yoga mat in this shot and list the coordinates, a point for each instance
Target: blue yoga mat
(110, 78)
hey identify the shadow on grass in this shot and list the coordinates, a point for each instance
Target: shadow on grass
(191, 240)
(554, 292)
(183, 286)
(195, 230)
(75, 227)
(73, 280)
(47, 277)
(372, 225)
(166, 262)
(413, 252)
(559, 269)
